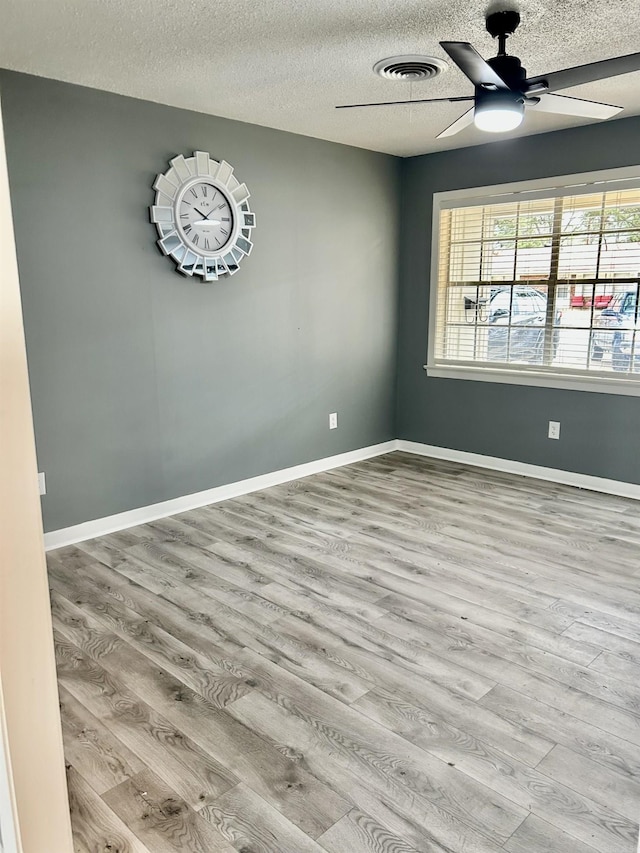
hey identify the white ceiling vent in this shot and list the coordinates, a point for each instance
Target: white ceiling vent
(410, 68)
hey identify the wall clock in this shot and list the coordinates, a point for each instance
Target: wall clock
(202, 216)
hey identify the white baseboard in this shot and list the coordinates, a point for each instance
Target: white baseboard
(113, 523)
(537, 472)
(123, 520)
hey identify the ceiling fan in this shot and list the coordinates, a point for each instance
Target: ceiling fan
(503, 90)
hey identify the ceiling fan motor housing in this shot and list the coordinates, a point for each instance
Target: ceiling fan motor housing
(511, 70)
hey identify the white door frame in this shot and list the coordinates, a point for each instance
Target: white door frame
(37, 785)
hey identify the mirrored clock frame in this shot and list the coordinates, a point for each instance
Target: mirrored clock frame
(185, 174)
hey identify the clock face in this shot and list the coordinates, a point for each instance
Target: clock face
(202, 216)
(205, 217)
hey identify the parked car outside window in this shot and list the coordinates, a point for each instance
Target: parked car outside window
(516, 318)
(614, 332)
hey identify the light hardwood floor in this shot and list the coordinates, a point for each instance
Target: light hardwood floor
(402, 655)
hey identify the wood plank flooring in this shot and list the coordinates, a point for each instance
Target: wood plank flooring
(399, 656)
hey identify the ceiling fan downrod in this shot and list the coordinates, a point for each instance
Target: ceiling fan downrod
(501, 25)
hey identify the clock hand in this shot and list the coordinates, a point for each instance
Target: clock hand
(207, 215)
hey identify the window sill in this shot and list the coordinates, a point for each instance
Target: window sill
(540, 379)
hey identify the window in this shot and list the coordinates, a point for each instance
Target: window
(537, 283)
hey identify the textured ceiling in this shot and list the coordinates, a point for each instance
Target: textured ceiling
(286, 63)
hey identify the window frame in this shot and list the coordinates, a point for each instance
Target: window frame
(627, 177)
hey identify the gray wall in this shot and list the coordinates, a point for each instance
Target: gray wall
(600, 433)
(147, 385)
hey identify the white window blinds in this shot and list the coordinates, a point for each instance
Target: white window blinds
(540, 283)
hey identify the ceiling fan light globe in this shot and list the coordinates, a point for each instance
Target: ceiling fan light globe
(498, 117)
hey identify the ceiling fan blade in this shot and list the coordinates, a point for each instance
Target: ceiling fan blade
(458, 125)
(574, 107)
(469, 61)
(395, 103)
(585, 73)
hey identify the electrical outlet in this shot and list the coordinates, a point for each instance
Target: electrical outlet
(333, 420)
(554, 429)
(42, 483)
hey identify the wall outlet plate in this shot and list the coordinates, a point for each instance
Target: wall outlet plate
(554, 429)
(333, 420)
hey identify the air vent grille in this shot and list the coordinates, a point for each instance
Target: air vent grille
(410, 68)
